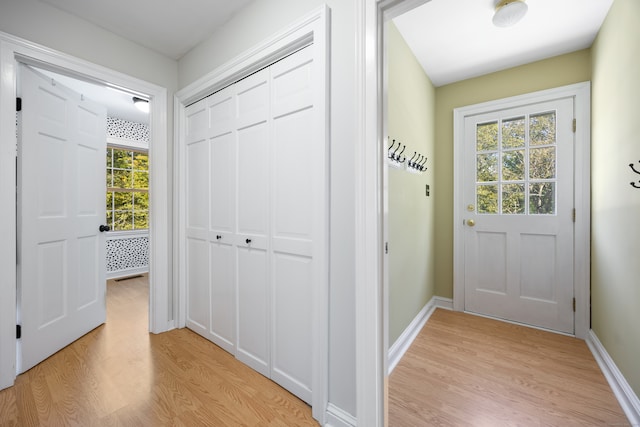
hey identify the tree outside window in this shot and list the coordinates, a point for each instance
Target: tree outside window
(127, 189)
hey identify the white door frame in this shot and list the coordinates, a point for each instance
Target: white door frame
(12, 51)
(371, 351)
(311, 29)
(581, 92)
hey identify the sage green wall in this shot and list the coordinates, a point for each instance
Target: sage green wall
(411, 114)
(615, 244)
(554, 72)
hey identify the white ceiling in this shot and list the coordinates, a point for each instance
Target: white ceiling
(455, 39)
(170, 27)
(452, 39)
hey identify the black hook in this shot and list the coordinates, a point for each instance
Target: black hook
(422, 165)
(389, 155)
(400, 155)
(634, 169)
(633, 184)
(411, 160)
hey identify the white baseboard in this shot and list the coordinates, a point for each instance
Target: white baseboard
(621, 389)
(336, 417)
(402, 344)
(128, 272)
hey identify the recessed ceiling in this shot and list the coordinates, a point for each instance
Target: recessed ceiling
(455, 39)
(170, 27)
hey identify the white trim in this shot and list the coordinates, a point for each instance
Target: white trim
(627, 399)
(404, 341)
(370, 292)
(336, 417)
(113, 141)
(128, 272)
(581, 92)
(311, 29)
(12, 50)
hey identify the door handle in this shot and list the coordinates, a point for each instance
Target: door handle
(471, 222)
(248, 241)
(218, 237)
(104, 228)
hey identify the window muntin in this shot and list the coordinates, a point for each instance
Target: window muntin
(127, 189)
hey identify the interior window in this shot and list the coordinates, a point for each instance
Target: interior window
(127, 189)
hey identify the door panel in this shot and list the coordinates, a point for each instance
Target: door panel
(61, 177)
(253, 303)
(518, 193)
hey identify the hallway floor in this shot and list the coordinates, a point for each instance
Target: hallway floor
(120, 375)
(466, 370)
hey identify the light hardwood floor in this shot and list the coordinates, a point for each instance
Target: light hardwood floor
(120, 375)
(465, 370)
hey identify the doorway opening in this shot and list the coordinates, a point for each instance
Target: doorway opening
(64, 172)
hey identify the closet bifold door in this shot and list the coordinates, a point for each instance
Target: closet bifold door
(210, 138)
(295, 193)
(252, 224)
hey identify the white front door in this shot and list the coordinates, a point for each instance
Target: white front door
(518, 194)
(61, 205)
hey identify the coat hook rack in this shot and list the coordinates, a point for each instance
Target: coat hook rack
(396, 158)
(633, 184)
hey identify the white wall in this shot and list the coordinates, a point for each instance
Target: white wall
(256, 22)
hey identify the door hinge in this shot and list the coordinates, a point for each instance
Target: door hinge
(574, 125)
(574, 305)
(386, 247)
(18, 104)
(18, 332)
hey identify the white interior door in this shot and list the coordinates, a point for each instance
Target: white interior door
(519, 201)
(61, 182)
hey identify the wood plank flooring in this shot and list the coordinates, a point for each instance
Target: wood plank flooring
(465, 370)
(120, 375)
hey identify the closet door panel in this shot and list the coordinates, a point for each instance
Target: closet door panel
(292, 324)
(253, 185)
(221, 107)
(253, 316)
(197, 186)
(198, 286)
(223, 296)
(252, 99)
(293, 176)
(222, 164)
(295, 209)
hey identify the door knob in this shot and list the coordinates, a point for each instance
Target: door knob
(248, 241)
(218, 237)
(471, 222)
(104, 228)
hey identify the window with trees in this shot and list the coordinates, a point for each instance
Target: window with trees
(127, 189)
(516, 165)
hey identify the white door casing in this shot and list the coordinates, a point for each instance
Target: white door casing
(254, 201)
(580, 95)
(518, 193)
(61, 261)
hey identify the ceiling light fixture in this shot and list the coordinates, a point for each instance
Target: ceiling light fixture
(141, 104)
(509, 12)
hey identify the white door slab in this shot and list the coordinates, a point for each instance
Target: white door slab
(519, 202)
(61, 181)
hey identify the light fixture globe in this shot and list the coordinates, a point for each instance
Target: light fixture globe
(509, 12)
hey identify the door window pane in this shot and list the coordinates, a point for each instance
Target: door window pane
(513, 199)
(542, 129)
(487, 136)
(487, 167)
(542, 163)
(487, 199)
(513, 165)
(542, 198)
(513, 133)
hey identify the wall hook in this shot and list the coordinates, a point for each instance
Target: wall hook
(633, 184)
